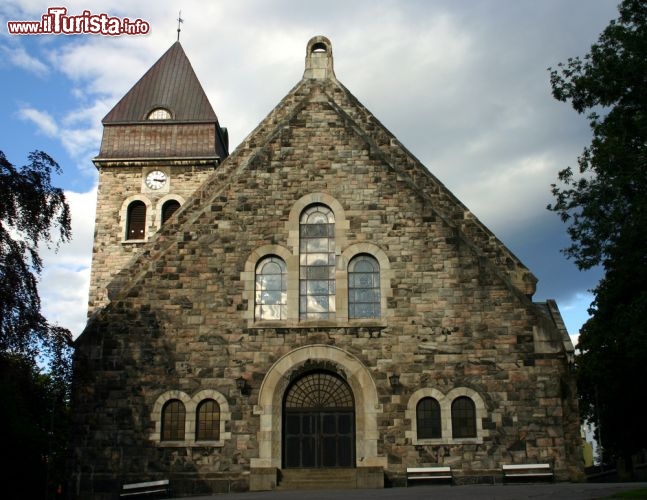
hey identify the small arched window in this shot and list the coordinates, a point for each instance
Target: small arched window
(168, 209)
(428, 419)
(208, 424)
(173, 417)
(136, 225)
(159, 114)
(271, 289)
(363, 287)
(463, 418)
(317, 263)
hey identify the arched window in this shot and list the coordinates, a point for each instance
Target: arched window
(363, 287)
(168, 209)
(428, 419)
(271, 289)
(208, 424)
(317, 263)
(159, 114)
(136, 225)
(463, 418)
(173, 416)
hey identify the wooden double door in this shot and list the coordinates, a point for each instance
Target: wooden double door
(318, 422)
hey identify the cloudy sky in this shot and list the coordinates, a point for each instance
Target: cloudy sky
(463, 84)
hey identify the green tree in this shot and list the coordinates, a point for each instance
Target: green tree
(35, 403)
(35, 417)
(32, 212)
(605, 207)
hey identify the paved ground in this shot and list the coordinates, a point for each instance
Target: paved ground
(556, 491)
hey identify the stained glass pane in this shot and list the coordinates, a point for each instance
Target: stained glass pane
(271, 290)
(363, 287)
(317, 263)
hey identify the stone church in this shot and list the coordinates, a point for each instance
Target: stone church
(312, 309)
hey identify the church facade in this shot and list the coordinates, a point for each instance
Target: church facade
(314, 308)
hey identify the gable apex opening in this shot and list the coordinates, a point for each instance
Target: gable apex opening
(319, 61)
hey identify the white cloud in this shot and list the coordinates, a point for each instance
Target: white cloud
(79, 133)
(464, 86)
(42, 119)
(65, 281)
(19, 57)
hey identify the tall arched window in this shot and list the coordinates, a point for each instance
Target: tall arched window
(463, 418)
(428, 419)
(208, 424)
(168, 209)
(173, 416)
(317, 263)
(363, 287)
(271, 289)
(136, 224)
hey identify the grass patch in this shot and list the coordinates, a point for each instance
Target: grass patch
(641, 493)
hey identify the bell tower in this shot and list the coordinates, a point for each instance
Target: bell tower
(160, 142)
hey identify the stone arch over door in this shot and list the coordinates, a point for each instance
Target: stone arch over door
(276, 382)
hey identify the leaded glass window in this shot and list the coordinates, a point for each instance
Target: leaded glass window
(208, 425)
(428, 419)
(317, 263)
(363, 287)
(463, 418)
(271, 289)
(173, 416)
(319, 390)
(159, 114)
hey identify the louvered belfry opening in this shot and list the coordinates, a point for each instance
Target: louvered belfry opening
(168, 209)
(319, 422)
(136, 229)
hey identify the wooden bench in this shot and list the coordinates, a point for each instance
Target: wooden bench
(429, 473)
(146, 488)
(527, 471)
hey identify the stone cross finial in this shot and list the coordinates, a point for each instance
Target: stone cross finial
(319, 63)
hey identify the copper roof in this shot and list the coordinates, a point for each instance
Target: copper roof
(171, 84)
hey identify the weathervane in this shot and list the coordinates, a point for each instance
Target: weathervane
(179, 21)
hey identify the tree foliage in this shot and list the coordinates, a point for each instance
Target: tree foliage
(35, 414)
(36, 419)
(604, 204)
(32, 212)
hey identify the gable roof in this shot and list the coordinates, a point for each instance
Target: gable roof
(319, 86)
(171, 84)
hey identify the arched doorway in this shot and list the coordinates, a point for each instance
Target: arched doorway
(318, 422)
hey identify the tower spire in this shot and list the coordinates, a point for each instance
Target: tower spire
(179, 21)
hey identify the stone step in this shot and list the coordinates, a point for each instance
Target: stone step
(317, 479)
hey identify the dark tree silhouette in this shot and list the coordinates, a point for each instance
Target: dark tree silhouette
(605, 207)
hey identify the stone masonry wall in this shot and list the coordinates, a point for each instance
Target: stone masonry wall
(451, 320)
(120, 185)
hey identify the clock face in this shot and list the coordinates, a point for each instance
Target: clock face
(156, 179)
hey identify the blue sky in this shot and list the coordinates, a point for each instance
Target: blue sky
(463, 84)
